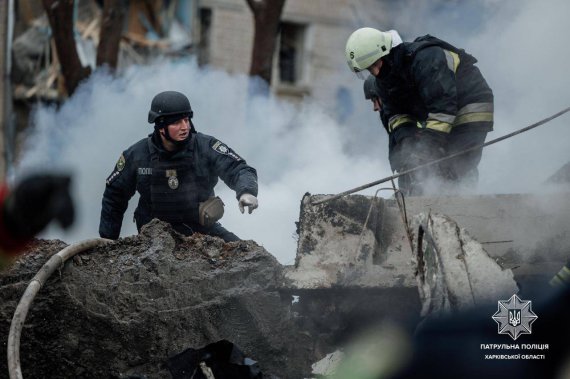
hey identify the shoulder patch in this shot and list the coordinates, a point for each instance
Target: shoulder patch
(121, 163)
(117, 171)
(221, 148)
(113, 176)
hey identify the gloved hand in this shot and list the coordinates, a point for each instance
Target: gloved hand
(247, 200)
(35, 202)
(432, 142)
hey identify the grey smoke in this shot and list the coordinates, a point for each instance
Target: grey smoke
(520, 48)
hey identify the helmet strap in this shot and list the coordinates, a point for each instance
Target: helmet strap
(169, 137)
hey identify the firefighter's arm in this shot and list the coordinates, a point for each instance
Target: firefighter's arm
(434, 76)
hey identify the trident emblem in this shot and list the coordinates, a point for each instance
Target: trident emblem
(514, 317)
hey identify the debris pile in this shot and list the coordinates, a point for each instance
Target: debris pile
(123, 309)
(151, 29)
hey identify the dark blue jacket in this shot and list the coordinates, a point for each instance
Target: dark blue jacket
(208, 160)
(431, 84)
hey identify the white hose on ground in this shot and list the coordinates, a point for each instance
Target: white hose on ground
(55, 262)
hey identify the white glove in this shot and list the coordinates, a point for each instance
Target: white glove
(247, 200)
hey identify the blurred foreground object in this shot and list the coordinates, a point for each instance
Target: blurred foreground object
(29, 207)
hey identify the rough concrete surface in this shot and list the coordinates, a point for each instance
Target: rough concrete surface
(122, 309)
(336, 248)
(454, 272)
(524, 232)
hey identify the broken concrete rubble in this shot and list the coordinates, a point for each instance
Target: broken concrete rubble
(454, 272)
(337, 249)
(125, 308)
(526, 233)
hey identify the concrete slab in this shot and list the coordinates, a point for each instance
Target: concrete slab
(358, 241)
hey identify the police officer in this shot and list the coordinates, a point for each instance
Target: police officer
(175, 170)
(433, 99)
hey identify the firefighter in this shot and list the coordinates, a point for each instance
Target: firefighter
(434, 101)
(29, 207)
(175, 170)
(402, 150)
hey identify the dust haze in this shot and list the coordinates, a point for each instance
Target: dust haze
(520, 46)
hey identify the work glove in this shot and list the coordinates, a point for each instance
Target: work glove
(35, 202)
(247, 200)
(432, 142)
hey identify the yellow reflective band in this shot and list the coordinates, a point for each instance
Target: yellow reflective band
(473, 117)
(562, 278)
(452, 60)
(476, 108)
(440, 126)
(396, 121)
(564, 274)
(443, 117)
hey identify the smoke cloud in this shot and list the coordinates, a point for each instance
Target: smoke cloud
(520, 48)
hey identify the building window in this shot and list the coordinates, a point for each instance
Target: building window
(291, 52)
(205, 15)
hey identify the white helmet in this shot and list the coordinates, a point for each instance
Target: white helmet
(364, 47)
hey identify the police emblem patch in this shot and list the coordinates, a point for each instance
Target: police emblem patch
(223, 149)
(173, 182)
(220, 148)
(121, 163)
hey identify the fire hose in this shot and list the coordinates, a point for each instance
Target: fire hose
(434, 162)
(55, 262)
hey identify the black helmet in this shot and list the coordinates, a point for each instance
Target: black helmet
(370, 88)
(169, 103)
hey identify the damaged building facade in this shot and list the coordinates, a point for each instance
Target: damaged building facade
(218, 33)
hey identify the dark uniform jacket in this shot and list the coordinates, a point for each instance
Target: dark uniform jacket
(431, 84)
(171, 184)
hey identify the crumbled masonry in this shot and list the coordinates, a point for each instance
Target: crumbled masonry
(123, 309)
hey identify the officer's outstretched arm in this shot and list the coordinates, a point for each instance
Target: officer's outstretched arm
(236, 173)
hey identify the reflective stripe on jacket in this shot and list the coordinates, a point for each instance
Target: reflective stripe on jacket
(431, 84)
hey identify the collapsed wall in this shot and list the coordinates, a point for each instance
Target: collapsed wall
(361, 241)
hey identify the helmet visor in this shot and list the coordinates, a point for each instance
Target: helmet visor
(359, 73)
